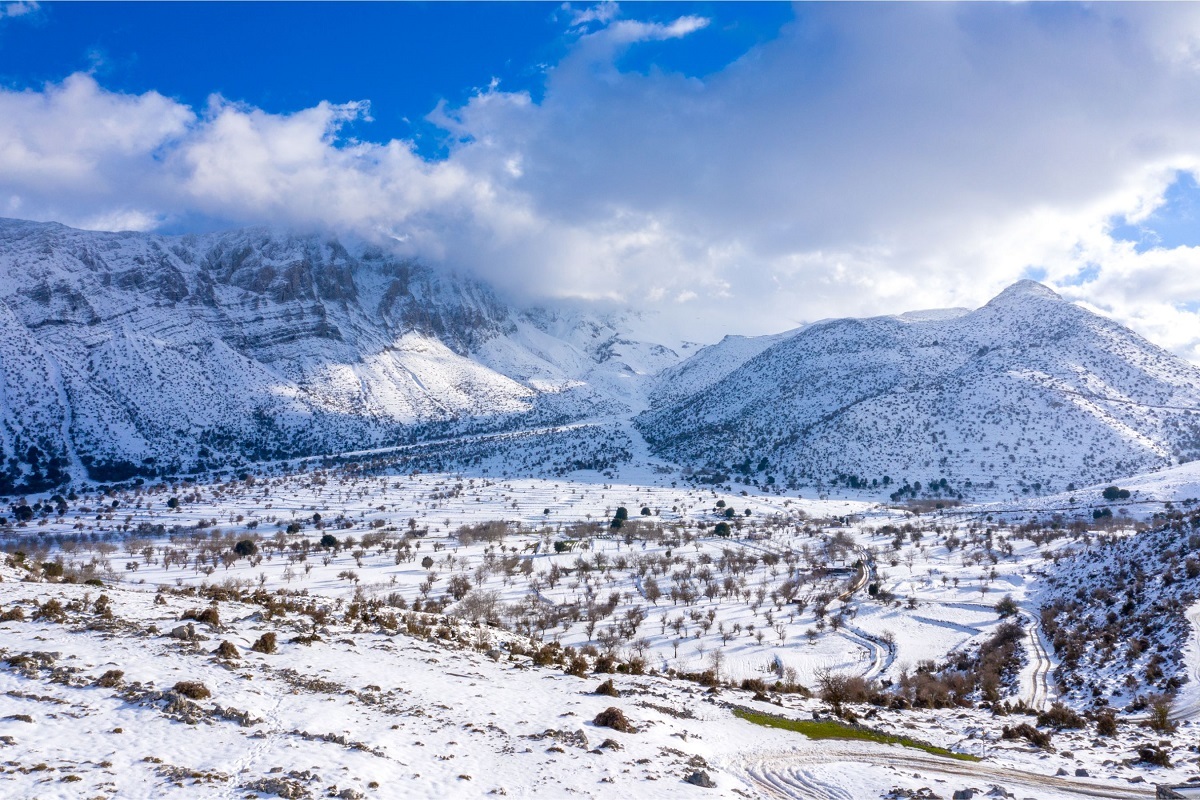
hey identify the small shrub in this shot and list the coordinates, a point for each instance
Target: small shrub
(546, 655)
(208, 615)
(227, 650)
(1106, 723)
(577, 666)
(614, 718)
(1160, 714)
(607, 689)
(193, 690)
(14, 614)
(1153, 754)
(1007, 607)
(111, 679)
(51, 610)
(1060, 717)
(1029, 733)
(265, 644)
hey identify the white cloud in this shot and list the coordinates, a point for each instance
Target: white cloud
(602, 13)
(18, 9)
(869, 160)
(630, 31)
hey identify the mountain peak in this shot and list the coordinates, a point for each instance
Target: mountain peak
(1026, 288)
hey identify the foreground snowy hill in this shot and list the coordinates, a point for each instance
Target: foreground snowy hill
(107, 693)
(1027, 394)
(126, 354)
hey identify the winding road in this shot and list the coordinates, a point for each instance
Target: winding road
(1035, 689)
(879, 653)
(1035, 676)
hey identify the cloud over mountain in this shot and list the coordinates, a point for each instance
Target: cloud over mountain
(863, 159)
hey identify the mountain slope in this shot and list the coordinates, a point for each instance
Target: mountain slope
(708, 366)
(129, 353)
(1028, 393)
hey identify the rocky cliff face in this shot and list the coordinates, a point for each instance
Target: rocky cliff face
(129, 354)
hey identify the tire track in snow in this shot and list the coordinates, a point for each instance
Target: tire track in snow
(879, 653)
(1035, 678)
(1038, 694)
(1187, 702)
(797, 773)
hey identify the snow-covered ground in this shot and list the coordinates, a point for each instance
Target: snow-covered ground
(366, 710)
(881, 592)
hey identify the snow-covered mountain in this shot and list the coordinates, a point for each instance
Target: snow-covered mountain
(1029, 393)
(128, 353)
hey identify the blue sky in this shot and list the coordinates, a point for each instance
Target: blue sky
(692, 160)
(1175, 223)
(404, 58)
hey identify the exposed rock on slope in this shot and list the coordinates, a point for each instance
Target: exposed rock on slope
(126, 353)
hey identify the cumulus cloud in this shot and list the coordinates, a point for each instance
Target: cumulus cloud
(867, 160)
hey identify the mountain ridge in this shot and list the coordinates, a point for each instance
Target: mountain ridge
(129, 354)
(135, 354)
(886, 403)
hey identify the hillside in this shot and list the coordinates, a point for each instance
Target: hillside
(1028, 394)
(130, 354)
(127, 354)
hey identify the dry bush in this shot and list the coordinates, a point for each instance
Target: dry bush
(51, 610)
(577, 666)
(193, 690)
(1029, 733)
(227, 650)
(1153, 754)
(1106, 723)
(1061, 717)
(1160, 714)
(837, 689)
(265, 644)
(111, 679)
(607, 689)
(614, 718)
(209, 615)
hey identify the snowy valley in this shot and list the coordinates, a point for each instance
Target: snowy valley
(288, 516)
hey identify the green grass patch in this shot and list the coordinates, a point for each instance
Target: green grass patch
(832, 729)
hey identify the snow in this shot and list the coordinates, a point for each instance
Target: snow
(1023, 397)
(426, 716)
(429, 406)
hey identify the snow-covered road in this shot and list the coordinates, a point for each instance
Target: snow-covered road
(1035, 677)
(842, 770)
(1187, 702)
